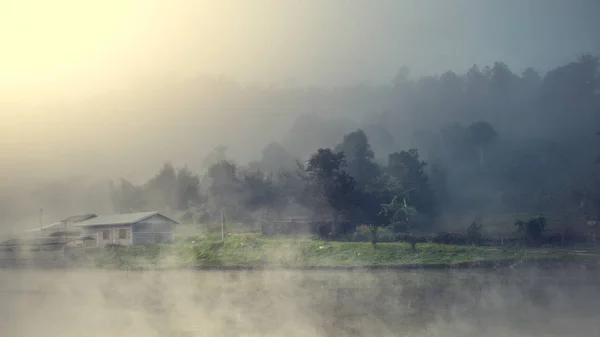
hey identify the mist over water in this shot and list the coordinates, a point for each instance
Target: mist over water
(294, 303)
(428, 117)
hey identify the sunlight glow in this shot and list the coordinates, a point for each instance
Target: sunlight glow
(49, 44)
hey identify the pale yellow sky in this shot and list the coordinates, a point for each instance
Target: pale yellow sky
(73, 47)
(67, 48)
(76, 46)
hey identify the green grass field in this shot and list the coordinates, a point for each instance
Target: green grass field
(253, 250)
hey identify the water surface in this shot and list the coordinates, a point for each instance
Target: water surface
(526, 302)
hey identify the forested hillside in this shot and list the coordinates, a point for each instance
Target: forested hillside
(438, 151)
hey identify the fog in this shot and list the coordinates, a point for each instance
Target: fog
(81, 106)
(293, 303)
(68, 47)
(412, 117)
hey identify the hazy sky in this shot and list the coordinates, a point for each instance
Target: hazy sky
(73, 47)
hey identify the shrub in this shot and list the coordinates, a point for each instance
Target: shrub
(412, 239)
(207, 253)
(450, 238)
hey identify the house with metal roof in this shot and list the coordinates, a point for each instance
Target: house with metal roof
(129, 229)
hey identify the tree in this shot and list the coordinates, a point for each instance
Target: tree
(188, 189)
(480, 135)
(291, 186)
(501, 82)
(275, 158)
(329, 186)
(409, 170)
(161, 190)
(381, 140)
(225, 188)
(216, 156)
(532, 228)
(126, 197)
(401, 77)
(358, 157)
(259, 190)
(373, 230)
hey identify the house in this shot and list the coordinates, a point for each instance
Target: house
(128, 229)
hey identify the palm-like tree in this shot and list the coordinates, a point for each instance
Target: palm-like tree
(400, 212)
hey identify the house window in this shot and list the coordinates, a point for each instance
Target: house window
(105, 234)
(123, 233)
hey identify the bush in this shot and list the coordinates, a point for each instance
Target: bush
(207, 254)
(412, 239)
(450, 238)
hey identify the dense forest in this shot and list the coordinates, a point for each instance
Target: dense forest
(435, 152)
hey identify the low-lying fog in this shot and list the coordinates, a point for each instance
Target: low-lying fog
(285, 303)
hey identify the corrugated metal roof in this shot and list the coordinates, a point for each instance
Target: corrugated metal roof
(45, 227)
(117, 219)
(79, 218)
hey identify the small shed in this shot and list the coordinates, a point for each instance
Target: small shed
(63, 226)
(129, 229)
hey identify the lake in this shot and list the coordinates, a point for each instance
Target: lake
(522, 302)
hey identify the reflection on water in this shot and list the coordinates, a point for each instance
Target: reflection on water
(293, 303)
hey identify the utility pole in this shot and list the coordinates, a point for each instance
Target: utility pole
(222, 226)
(41, 228)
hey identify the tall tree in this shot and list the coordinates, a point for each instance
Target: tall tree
(126, 197)
(358, 157)
(410, 172)
(260, 191)
(188, 189)
(162, 188)
(216, 156)
(329, 185)
(275, 157)
(225, 189)
(480, 135)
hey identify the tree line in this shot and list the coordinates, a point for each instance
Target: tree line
(337, 184)
(486, 141)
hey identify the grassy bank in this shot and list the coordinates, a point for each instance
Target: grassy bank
(251, 250)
